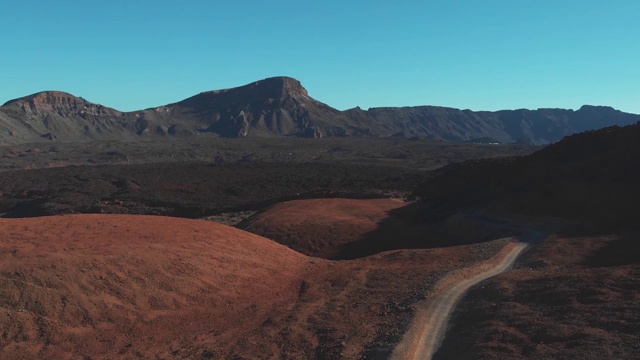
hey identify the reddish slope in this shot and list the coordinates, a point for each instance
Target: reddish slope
(321, 227)
(106, 286)
(119, 286)
(343, 229)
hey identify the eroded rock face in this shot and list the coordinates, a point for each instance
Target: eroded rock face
(60, 103)
(54, 115)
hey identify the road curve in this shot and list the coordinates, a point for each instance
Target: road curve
(428, 327)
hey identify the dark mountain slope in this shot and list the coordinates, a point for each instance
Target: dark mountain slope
(281, 106)
(573, 295)
(542, 126)
(590, 179)
(274, 106)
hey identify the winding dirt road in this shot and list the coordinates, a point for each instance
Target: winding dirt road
(429, 324)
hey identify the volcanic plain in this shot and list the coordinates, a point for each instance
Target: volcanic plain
(88, 273)
(349, 237)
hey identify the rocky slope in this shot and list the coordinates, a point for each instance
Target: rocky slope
(281, 106)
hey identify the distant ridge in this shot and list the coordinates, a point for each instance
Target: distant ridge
(281, 106)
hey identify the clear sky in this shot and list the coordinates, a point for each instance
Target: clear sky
(481, 55)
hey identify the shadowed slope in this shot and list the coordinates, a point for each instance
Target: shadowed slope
(342, 229)
(589, 179)
(571, 297)
(321, 227)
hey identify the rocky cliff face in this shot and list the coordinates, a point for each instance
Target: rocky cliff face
(281, 106)
(56, 115)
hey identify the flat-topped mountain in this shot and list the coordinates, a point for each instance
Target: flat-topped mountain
(281, 106)
(274, 106)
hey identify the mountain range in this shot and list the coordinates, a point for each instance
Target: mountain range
(281, 106)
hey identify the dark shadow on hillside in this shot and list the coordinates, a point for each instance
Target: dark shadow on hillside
(191, 190)
(623, 251)
(415, 226)
(586, 184)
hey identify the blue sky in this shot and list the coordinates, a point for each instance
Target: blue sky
(481, 55)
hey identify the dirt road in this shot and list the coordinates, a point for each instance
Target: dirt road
(427, 329)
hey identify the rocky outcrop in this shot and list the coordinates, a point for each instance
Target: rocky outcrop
(55, 115)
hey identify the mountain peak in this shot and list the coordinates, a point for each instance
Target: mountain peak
(596, 108)
(272, 87)
(270, 90)
(58, 102)
(287, 85)
(46, 98)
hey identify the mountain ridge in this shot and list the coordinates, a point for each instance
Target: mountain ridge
(281, 106)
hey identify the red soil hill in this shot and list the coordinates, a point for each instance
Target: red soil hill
(321, 227)
(135, 286)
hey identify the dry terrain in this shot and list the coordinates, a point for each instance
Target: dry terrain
(190, 189)
(104, 286)
(575, 295)
(427, 329)
(570, 298)
(213, 177)
(338, 228)
(392, 152)
(107, 286)
(321, 227)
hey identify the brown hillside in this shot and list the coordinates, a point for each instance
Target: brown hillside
(321, 227)
(108, 286)
(349, 229)
(121, 286)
